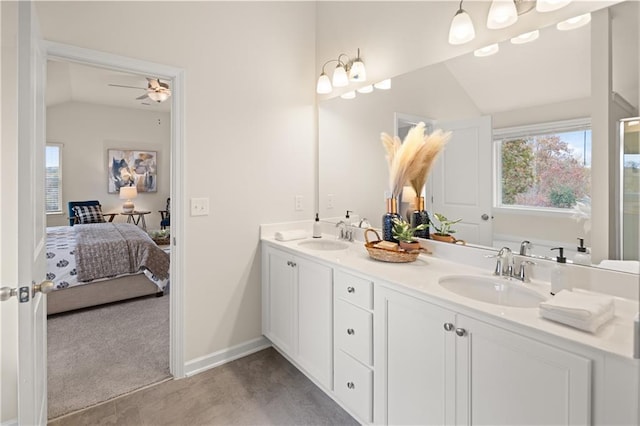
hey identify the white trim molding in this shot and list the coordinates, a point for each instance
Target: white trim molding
(226, 355)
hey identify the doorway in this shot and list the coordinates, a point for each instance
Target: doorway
(173, 77)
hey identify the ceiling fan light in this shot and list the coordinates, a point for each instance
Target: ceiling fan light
(461, 30)
(159, 96)
(575, 22)
(550, 5)
(502, 13)
(526, 37)
(340, 78)
(324, 85)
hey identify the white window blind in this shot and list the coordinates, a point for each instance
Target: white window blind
(53, 178)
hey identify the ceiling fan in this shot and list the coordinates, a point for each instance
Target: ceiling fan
(156, 90)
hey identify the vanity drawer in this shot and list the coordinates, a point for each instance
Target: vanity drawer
(353, 331)
(356, 290)
(353, 385)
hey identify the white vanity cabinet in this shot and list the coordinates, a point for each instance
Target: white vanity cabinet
(434, 366)
(297, 310)
(353, 337)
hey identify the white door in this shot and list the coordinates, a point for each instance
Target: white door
(32, 319)
(461, 182)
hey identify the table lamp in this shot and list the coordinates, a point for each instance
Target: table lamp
(128, 193)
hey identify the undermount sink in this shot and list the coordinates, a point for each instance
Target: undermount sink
(324, 245)
(498, 291)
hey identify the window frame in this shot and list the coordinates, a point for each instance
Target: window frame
(60, 147)
(499, 135)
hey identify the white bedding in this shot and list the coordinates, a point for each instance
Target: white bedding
(61, 261)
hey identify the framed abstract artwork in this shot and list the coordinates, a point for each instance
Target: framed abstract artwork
(132, 168)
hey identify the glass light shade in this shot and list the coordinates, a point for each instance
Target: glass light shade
(348, 95)
(324, 84)
(383, 85)
(526, 37)
(575, 22)
(158, 96)
(357, 71)
(492, 49)
(365, 89)
(461, 30)
(340, 78)
(502, 14)
(550, 5)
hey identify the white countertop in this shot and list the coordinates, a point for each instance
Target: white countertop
(420, 279)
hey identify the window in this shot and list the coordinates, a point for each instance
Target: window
(53, 178)
(545, 166)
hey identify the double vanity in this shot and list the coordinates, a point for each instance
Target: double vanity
(437, 341)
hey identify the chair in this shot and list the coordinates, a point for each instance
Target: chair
(165, 221)
(73, 219)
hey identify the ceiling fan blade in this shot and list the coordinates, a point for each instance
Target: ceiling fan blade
(141, 97)
(128, 87)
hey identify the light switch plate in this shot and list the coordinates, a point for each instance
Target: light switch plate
(298, 202)
(199, 206)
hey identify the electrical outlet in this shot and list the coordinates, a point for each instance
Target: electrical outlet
(199, 206)
(330, 201)
(298, 200)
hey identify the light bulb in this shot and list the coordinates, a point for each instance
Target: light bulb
(324, 84)
(502, 13)
(461, 30)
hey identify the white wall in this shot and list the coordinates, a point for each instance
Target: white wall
(87, 131)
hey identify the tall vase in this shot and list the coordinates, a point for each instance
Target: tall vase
(387, 220)
(420, 217)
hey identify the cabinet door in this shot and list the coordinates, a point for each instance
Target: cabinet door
(506, 379)
(315, 320)
(414, 355)
(280, 328)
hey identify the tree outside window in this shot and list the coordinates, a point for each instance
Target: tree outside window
(551, 170)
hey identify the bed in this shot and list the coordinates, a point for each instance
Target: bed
(100, 263)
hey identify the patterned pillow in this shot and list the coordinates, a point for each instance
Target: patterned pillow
(89, 214)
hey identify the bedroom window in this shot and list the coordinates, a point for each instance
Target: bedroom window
(53, 178)
(544, 167)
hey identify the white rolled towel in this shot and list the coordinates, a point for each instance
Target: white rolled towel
(584, 310)
(294, 234)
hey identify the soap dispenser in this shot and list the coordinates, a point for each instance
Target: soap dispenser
(583, 257)
(559, 278)
(317, 232)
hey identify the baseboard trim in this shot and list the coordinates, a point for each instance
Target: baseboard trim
(223, 356)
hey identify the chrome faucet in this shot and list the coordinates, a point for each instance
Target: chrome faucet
(345, 233)
(364, 223)
(504, 263)
(524, 248)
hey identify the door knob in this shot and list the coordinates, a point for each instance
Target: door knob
(448, 326)
(351, 385)
(461, 331)
(351, 331)
(45, 287)
(485, 217)
(7, 293)
(351, 289)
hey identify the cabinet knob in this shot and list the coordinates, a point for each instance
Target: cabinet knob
(351, 331)
(448, 326)
(288, 263)
(351, 385)
(293, 264)
(461, 331)
(351, 289)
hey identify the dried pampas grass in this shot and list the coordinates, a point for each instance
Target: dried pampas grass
(411, 161)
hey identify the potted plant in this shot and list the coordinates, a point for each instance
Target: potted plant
(444, 231)
(405, 234)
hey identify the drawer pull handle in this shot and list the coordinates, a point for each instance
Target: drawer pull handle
(461, 331)
(350, 385)
(351, 289)
(448, 326)
(351, 331)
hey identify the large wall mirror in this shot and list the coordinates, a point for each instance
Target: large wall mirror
(544, 82)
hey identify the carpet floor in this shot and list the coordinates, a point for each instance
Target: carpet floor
(98, 354)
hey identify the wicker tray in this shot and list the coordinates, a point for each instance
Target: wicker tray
(386, 255)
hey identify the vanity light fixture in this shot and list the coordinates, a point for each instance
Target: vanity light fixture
(365, 89)
(575, 22)
(492, 49)
(349, 95)
(461, 30)
(550, 5)
(526, 37)
(383, 85)
(345, 70)
(502, 14)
